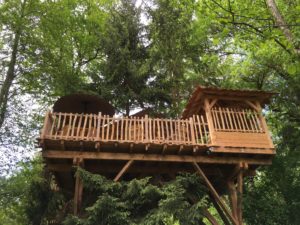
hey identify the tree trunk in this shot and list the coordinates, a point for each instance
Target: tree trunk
(10, 75)
(280, 22)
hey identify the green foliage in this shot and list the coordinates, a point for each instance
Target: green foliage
(140, 202)
(26, 196)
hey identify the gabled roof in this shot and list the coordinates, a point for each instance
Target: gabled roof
(201, 92)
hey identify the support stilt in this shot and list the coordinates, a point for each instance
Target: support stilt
(240, 197)
(78, 188)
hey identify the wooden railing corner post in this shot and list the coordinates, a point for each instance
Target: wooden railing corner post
(46, 125)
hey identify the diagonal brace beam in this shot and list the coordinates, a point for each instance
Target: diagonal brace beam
(215, 194)
(123, 170)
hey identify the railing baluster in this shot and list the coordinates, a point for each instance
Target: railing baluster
(53, 125)
(98, 126)
(69, 125)
(56, 126)
(222, 119)
(73, 126)
(84, 126)
(122, 129)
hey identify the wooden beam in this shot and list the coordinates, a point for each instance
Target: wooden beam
(261, 151)
(210, 217)
(210, 159)
(123, 170)
(220, 211)
(215, 194)
(136, 169)
(252, 105)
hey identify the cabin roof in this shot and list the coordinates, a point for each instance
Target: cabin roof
(83, 103)
(201, 92)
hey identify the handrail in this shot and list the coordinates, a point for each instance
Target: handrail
(92, 127)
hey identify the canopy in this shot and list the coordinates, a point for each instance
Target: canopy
(83, 103)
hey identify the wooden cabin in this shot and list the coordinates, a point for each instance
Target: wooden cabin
(222, 135)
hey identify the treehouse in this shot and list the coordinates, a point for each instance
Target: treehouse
(221, 135)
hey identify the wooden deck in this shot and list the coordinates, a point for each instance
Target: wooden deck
(226, 130)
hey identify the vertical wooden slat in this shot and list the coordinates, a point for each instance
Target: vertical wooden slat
(126, 128)
(249, 119)
(171, 130)
(241, 119)
(103, 128)
(256, 126)
(154, 130)
(150, 130)
(95, 126)
(213, 115)
(112, 129)
(79, 126)
(158, 130)
(226, 118)
(187, 131)
(162, 126)
(134, 129)
(245, 120)
(117, 126)
(122, 129)
(84, 126)
(146, 129)
(98, 126)
(63, 125)
(218, 112)
(167, 131)
(206, 132)
(53, 125)
(231, 117)
(200, 128)
(191, 125)
(237, 119)
(197, 133)
(107, 128)
(90, 126)
(73, 126)
(222, 119)
(69, 125)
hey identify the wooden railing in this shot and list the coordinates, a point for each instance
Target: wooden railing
(236, 120)
(91, 127)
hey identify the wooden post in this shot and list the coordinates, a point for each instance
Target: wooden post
(240, 197)
(209, 120)
(264, 124)
(78, 187)
(232, 197)
(46, 125)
